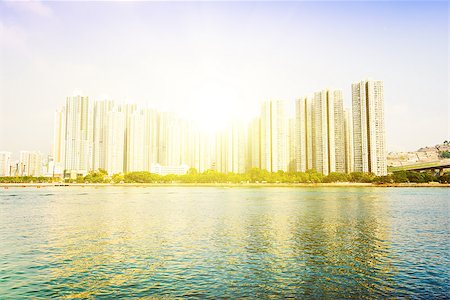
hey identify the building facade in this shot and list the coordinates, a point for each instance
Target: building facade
(369, 141)
(274, 137)
(319, 135)
(30, 163)
(5, 163)
(78, 139)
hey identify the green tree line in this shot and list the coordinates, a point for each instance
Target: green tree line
(252, 176)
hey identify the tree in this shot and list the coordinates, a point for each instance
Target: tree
(192, 171)
(118, 178)
(336, 177)
(256, 174)
(314, 176)
(400, 177)
(445, 178)
(102, 171)
(96, 177)
(384, 179)
(80, 179)
(362, 177)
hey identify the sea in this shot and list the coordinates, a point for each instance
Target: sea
(224, 242)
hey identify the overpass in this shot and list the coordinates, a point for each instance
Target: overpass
(438, 167)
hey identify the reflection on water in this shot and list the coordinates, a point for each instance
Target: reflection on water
(235, 242)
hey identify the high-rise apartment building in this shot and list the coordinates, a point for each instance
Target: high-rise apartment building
(274, 152)
(135, 132)
(291, 145)
(100, 131)
(115, 141)
(348, 131)
(5, 163)
(150, 138)
(78, 135)
(300, 138)
(169, 140)
(224, 151)
(327, 132)
(206, 151)
(320, 136)
(309, 133)
(231, 149)
(368, 127)
(339, 132)
(59, 136)
(254, 142)
(30, 163)
(239, 145)
(190, 144)
(320, 131)
(127, 109)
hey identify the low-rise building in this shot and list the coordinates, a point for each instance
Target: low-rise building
(166, 170)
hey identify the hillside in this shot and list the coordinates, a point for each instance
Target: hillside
(425, 155)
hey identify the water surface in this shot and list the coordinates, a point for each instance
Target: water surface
(213, 242)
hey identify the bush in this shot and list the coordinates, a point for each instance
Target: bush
(141, 177)
(384, 179)
(400, 177)
(252, 175)
(413, 176)
(444, 154)
(445, 178)
(100, 176)
(117, 178)
(336, 177)
(362, 177)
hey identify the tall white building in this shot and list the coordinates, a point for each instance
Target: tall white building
(190, 144)
(348, 131)
(320, 136)
(321, 159)
(114, 140)
(127, 109)
(231, 149)
(239, 146)
(292, 145)
(327, 130)
(169, 140)
(59, 135)
(100, 130)
(301, 134)
(254, 141)
(78, 135)
(5, 163)
(223, 152)
(369, 142)
(135, 132)
(339, 132)
(274, 152)
(206, 151)
(150, 138)
(30, 163)
(309, 134)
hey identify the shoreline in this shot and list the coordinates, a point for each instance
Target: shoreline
(259, 185)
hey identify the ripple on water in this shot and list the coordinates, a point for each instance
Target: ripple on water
(231, 243)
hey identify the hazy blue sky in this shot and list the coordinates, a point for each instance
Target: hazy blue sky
(216, 61)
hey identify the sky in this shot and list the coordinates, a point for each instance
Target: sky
(217, 61)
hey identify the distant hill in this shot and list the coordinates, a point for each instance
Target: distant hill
(430, 154)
